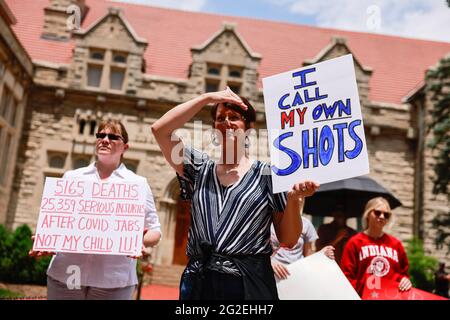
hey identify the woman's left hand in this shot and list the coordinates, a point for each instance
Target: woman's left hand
(143, 249)
(303, 189)
(329, 252)
(405, 284)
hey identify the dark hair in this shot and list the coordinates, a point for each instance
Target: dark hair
(115, 126)
(249, 115)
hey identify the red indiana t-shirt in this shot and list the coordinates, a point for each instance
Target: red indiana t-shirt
(364, 256)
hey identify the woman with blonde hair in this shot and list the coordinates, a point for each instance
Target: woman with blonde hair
(373, 252)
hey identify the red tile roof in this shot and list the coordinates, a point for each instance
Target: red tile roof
(398, 64)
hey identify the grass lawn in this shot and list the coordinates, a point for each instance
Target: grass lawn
(5, 294)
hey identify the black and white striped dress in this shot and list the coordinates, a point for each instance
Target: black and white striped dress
(235, 219)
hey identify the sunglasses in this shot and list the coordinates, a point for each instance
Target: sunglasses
(386, 214)
(111, 136)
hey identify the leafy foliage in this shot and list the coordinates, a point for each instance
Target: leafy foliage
(15, 264)
(421, 266)
(438, 81)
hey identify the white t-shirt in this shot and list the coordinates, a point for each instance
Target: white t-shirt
(103, 271)
(286, 255)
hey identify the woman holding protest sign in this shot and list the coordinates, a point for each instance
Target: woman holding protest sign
(232, 203)
(373, 254)
(99, 276)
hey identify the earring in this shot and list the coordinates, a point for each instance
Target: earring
(214, 140)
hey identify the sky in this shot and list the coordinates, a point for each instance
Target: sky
(420, 19)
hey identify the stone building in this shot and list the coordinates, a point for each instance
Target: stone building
(133, 63)
(16, 72)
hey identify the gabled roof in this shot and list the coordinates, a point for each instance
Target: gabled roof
(398, 64)
(228, 27)
(336, 41)
(113, 12)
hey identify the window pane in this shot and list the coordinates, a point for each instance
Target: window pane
(117, 77)
(4, 163)
(92, 128)
(82, 124)
(120, 58)
(79, 163)
(235, 88)
(94, 76)
(211, 86)
(12, 112)
(214, 71)
(97, 55)
(57, 161)
(234, 72)
(5, 101)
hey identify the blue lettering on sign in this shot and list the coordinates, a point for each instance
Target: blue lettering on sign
(320, 147)
(297, 100)
(280, 102)
(295, 157)
(326, 152)
(307, 150)
(329, 111)
(351, 154)
(339, 127)
(302, 75)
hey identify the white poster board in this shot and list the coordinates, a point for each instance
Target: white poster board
(86, 216)
(316, 277)
(315, 124)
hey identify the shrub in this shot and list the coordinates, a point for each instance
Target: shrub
(15, 264)
(421, 267)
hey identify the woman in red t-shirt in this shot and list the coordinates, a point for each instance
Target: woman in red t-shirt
(375, 253)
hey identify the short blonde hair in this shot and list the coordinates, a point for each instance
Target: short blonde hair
(371, 205)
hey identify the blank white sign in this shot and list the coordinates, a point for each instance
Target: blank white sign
(316, 277)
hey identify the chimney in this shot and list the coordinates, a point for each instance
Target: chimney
(61, 17)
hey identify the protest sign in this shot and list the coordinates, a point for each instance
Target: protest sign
(316, 277)
(86, 216)
(315, 124)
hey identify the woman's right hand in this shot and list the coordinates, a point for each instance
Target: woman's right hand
(225, 96)
(39, 254)
(280, 270)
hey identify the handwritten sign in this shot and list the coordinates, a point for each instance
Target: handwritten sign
(315, 124)
(316, 277)
(86, 216)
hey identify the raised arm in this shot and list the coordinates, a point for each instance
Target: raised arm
(175, 119)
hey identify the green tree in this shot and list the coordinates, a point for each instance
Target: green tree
(421, 266)
(438, 85)
(16, 266)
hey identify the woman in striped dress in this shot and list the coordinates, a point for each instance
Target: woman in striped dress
(232, 203)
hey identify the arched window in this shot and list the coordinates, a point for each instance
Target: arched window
(81, 126)
(93, 124)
